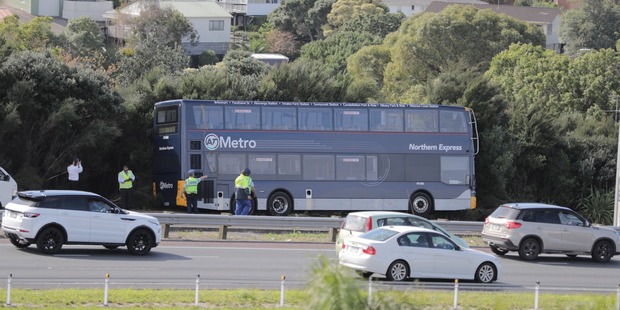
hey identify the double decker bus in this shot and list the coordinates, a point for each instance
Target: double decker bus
(318, 156)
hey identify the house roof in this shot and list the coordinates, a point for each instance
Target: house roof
(525, 13)
(4, 12)
(189, 9)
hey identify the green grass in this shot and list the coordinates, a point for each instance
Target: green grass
(294, 299)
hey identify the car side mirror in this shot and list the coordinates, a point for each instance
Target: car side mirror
(588, 224)
(457, 247)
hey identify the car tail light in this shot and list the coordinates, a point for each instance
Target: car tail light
(368, 224)
(343, 246)
(486, 220)
(513, 225)
(31, 214)
(369, 250)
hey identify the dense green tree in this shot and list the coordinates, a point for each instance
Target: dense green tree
(242, 62)
(380, 24)
(303, 18)
(215, 82)
(427, 43)
(85, 37)
(51, 112)
(140, 58)
(164, 25)
(345, 10)
(33, 35)
(367, 68)
(335, 49)
(593, 25)
(282, 42)
(305, 80)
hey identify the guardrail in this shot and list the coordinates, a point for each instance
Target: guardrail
(332, 224)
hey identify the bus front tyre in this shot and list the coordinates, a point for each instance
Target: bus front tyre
(280, 204)
(420, 204)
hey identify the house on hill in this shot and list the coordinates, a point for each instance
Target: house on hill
(547, 19)
(410, 7)
(211, 21)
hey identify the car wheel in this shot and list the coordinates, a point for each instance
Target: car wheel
(50, 240)
(603, 251)
(529, 249)
(398, 271)
(18, 242)
(498, 251)
(486, 273)
(421, 204)
(140, 242)
(280, 204)
(111, 247)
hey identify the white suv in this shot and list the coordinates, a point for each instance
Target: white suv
(535, 228)
(51, 218)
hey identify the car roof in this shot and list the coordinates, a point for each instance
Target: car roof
(532, 205)
(381, 213)
(41, 194)
(402, 229)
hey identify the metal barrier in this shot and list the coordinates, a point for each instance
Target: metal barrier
(332, 224)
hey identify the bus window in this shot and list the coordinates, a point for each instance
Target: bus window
(231, 163)
(454, 169)
(351, 119)
(452, 121)
(166, 121)
(242, 117)
(289, 164)
(422, 168)
(386, 120)
(206, 117)
(318, 167)
(350, 168)
(262, 164)
(195, 161)
(315, 119)
(421, 120)
(279, 118)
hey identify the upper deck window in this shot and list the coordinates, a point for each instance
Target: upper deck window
(421, 121)
(386, 120)
(206, 117)
(315, 119)
(351, 119)
(279, 118)
(242, 117)
(167, 115)
(452, 121)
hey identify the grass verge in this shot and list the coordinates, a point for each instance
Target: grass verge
(294, 299)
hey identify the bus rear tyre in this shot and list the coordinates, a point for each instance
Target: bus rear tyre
(420, 204)
(280, 204)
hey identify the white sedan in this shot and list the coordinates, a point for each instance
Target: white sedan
(401, 252)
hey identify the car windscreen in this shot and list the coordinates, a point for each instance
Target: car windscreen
(355, 223)
(379, 234)
(504, 212)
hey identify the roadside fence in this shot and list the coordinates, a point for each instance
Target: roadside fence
(374, 287)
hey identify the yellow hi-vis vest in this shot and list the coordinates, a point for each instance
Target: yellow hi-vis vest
(191, 185)
(127, 177)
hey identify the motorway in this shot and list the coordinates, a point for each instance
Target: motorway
(226, 264)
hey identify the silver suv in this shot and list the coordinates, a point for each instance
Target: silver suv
(52, 218)
(535, 228)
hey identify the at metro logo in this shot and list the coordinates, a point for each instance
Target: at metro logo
(213, 142)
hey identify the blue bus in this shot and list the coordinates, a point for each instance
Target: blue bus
(318, 156)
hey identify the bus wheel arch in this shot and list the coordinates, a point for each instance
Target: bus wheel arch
(280, 203)
(421, 204)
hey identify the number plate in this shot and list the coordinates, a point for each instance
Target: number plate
(494, 227)
(353, 249)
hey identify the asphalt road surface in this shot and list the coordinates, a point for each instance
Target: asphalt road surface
(225, 264)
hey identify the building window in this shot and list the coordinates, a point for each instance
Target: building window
(216, 25)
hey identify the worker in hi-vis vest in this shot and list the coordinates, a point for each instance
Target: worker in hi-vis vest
(244, 188)
(125, 183)
(190, 190)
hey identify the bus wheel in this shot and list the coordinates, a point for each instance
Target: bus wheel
(280, 204)
(420, 204)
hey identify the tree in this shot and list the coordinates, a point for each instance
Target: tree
(283, 42)
(594, 25)
(303, 18)
(52, 112)
(361, 13)
(140, 58)
(85, 37)
(164, 25)
(242, 62)
(33, 35)
(427, 43)
(335, 49)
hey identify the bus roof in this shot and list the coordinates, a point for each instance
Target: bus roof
(303, 104)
